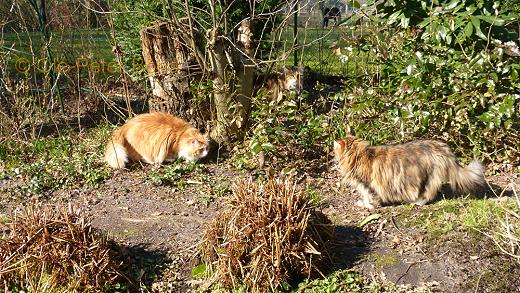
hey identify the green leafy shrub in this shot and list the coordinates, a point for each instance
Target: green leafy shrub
(285, 133)
(451, 23)
(443, 71)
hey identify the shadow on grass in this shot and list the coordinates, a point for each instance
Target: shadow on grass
(490, 190)
(141, 265)
(351, 244)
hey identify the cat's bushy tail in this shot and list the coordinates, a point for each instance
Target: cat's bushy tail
(467, 179)
(115, 152)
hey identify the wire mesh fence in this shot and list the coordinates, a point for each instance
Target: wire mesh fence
(329, 43)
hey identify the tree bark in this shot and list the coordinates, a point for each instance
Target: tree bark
(245, 73)
(232, 113)
(171, 70)
(170, 54)
(224, 125)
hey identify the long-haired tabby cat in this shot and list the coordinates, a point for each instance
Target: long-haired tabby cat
(155, 138)
(411, 172)
(277, 83)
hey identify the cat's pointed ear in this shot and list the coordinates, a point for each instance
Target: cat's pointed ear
(339, 144)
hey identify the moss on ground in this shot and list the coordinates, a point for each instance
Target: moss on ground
(384, 260)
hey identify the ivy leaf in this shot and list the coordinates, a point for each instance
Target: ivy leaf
(476, 24)
(448, 39)
(354, 4)
(255, 147)
(394, 16)
(370, 218)
(267, 146)
(492, 20)
(451, 5)
(468, 30)
(199, 271)
(405, 21)
(424, 23)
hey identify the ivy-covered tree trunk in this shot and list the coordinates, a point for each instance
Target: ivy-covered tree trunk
(232, 103)
(224, 125)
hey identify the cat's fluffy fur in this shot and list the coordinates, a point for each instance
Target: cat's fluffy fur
(411, 172)
(277, 83)
(155, 138)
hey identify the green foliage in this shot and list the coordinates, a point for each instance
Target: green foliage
(451, 22)
(451, 79)
(174, 174)
(51, 163)
(313, 194)
(199, 271)
(285, 133)
(349, 281)
(450, 217)
(341, 281)
(129, 18)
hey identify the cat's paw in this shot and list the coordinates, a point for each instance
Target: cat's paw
(421, 202)
(365, 205)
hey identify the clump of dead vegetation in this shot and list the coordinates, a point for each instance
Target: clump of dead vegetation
(270, 234)
(54, 249)
(507, 235)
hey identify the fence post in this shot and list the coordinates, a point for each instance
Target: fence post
(295, 44)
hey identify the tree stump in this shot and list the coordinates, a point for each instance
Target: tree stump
(172, 69)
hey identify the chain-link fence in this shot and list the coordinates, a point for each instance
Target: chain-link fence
(325, 36)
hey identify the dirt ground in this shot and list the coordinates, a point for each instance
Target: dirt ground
(159, 227)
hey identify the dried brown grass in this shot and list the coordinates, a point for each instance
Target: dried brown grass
(506, 235)
(54, 249)
(269, 234)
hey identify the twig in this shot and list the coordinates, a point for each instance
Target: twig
(408, 269)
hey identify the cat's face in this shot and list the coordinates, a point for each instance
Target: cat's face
(194, 146)
(341, 145)
(293, 78)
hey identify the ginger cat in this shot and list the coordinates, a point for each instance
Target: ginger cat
(411, 172)
(155, 138)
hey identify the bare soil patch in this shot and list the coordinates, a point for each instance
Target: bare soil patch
(159, 228)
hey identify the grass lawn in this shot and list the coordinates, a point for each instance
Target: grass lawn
(315, 50)
(70, 49)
